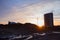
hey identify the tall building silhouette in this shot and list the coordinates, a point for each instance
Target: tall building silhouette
(48, 19)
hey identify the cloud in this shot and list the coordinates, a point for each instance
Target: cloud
(20, 11)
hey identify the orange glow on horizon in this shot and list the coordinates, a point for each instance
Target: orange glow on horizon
(39, 22)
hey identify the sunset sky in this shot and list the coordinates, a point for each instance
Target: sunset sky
(28, 11)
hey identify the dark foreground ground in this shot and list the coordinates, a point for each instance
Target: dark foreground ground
(35, 36)
(28, 31)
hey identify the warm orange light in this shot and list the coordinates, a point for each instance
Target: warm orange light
(40, 23)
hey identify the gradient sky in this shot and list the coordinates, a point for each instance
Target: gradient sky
(28, 10)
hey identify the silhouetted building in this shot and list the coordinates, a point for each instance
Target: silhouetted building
(48, 19)
(11, 22)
